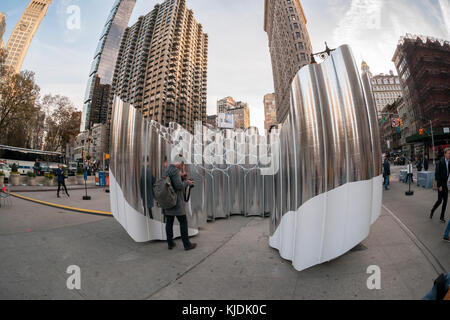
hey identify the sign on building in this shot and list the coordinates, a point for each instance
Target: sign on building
(225, 121)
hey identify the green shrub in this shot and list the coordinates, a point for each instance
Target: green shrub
(31, 174)
(2, 174)
(14, 169)
(50, 176)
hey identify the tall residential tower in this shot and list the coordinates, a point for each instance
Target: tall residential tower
(100, 76)
(162, 66)
(23, 33)
(290, 47)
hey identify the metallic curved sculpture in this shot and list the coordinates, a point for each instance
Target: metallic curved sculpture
(318, 175)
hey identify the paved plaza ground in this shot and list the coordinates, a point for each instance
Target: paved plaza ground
(233, 259)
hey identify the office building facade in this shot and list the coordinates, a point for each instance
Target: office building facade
(386, 87)
(423, 65)
(240, 111)
(270, 111)
(98, 89)
(23, 33)
(290, 47)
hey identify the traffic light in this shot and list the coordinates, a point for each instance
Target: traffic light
(421, 132)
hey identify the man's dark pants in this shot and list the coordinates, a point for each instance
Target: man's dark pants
(62, 183)
(442, 198)
(183, 230)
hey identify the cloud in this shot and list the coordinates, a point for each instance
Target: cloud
(373, 27)
(445, 8)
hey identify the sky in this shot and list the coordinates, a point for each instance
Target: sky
(239, 61)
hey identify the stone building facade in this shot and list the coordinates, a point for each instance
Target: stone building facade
(290, 47)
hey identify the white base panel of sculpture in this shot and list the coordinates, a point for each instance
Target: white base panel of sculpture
(139, 227)
(329, 225)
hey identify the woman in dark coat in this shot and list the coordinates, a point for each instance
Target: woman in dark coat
(179, 211)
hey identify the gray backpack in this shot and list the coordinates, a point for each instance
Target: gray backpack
(164, 194)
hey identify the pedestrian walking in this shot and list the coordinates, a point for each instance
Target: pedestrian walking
(61, 180)
(419, 165)
(425, 163)
(174, 172)
(386, 173)
(442, 179)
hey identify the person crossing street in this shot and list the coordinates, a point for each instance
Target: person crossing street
(61, 180)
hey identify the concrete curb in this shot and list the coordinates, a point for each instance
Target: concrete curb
(49, 189)
(58, 206)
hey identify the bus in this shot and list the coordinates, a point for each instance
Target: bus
(37, 161)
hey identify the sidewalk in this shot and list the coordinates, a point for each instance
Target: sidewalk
(414, 212)
(233, 260)
(48, 188)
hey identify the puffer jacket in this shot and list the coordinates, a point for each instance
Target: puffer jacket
(179, 186)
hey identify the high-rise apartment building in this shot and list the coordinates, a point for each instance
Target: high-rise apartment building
(101, 74)
(423, 64)
(270, 111)
(2, 28)
(23, 33)
(162, 66)
(240, 111)
(290, 47)
(386, 87)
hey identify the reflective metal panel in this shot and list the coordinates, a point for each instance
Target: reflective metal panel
(316, 174)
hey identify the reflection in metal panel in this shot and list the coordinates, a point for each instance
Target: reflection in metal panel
(317, 174)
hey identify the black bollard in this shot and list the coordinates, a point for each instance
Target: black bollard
(409, 192)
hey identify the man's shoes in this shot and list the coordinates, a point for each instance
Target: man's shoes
(431, 215)
(443, 221)
(58, 196)
(191, 247)
(68, 195)
(171, 246)
(446, 239)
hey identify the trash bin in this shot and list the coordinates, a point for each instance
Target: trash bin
(101, 178)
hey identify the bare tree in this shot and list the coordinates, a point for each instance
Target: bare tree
(18, 93)
(62, 122)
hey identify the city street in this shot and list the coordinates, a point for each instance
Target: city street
(233, 259)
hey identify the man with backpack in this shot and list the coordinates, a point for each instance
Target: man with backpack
(169, 193)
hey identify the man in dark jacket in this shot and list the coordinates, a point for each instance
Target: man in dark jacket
(425, 163)
(146, 183)
(386, 173)
(442, 176)
(61, 182)
(179, 211)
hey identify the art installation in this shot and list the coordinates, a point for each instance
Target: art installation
(318, 175)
